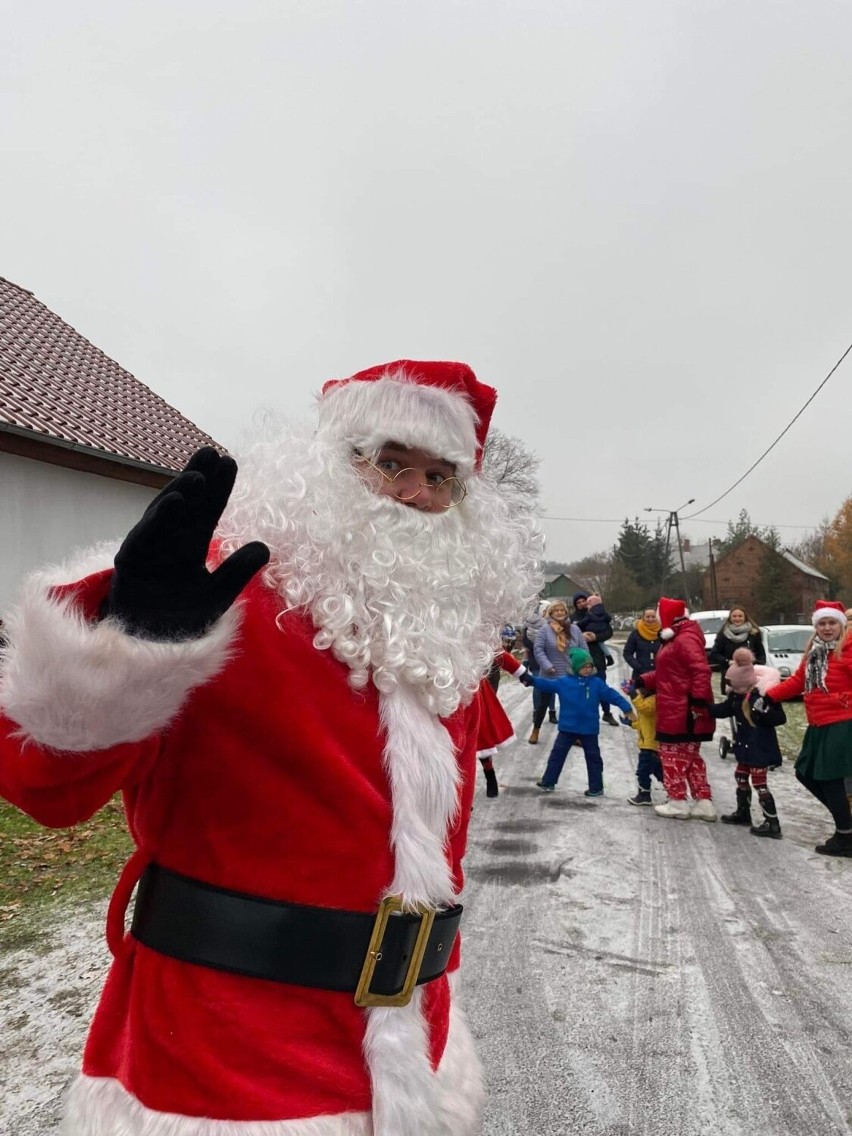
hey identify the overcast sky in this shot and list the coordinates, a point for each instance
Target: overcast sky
(633, 219)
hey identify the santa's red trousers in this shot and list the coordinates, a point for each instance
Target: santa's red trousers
(683, 767)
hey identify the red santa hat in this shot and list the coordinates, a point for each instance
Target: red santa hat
(668, 610)
(828, 609)
(438, 407)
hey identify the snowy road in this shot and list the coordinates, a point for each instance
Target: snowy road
(624, 973)
(629, 974)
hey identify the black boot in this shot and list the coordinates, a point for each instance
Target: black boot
(491, 787)
(838, 845)
(551, 716)
(742, 813)
(770, 826)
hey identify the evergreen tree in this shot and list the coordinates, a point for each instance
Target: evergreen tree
(774, 598)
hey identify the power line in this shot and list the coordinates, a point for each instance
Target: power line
(775, 443)
(704, 521)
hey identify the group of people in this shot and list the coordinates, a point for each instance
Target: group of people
(673, 709)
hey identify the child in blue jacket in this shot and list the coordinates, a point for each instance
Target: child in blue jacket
(580, 697)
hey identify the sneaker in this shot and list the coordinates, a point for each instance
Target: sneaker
(643, 797)
(544, 785)
(838, 845)
(593, 793)
(703, 810)
(677, 810)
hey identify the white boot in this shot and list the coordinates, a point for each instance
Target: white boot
(676, 809)
(703, 810)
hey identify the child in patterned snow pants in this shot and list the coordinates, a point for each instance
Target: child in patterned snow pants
(683, 767)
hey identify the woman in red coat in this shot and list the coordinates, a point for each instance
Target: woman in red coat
(824, 678)
(681, 682)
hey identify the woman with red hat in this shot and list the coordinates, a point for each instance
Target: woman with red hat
(681, 681)
(824, 680)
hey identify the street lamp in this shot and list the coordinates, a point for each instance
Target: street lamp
(672, 522)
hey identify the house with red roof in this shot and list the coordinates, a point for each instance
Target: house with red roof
(84, 445)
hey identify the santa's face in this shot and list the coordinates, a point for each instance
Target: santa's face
(412, 477)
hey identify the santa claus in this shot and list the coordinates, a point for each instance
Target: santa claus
(292, 722)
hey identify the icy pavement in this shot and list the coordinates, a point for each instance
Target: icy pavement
(623, 973)
(630, 974)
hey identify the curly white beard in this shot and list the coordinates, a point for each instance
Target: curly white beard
(403, 596)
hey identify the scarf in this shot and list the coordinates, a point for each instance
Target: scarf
(561, 636)
(737, 634)
(817, 666)
(649, 631)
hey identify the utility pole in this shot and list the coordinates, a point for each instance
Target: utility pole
(673, 522)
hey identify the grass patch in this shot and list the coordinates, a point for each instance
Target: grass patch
(39, 865)
(790, 735)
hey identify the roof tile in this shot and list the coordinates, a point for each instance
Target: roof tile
(54, 382)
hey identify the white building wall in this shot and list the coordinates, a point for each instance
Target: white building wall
(46, 512)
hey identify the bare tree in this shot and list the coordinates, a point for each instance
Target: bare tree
(508, 462)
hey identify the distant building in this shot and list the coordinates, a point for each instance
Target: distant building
(83, 444)
(560, 587)
(773, 586)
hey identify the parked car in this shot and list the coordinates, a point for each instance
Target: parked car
(784, 645)
(710, 623)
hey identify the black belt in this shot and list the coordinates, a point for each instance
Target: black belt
(379, 958)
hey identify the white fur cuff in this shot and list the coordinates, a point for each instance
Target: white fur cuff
(79, 686)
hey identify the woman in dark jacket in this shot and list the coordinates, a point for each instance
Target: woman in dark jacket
(738, 630)
(642, 644)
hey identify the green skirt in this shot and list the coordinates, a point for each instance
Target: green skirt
(826, 752)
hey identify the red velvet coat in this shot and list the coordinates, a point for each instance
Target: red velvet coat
(268, 778)
(681, 682)
(821, 708)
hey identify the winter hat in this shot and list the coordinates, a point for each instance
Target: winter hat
(579, 658)
(593, 600)
(668, 610)
(438, 407)
(828, 609)
(740, 675)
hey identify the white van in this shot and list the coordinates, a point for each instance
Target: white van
(710, 623)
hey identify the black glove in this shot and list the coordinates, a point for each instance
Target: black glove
(161, 588)
(526, 678)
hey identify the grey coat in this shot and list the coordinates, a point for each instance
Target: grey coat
(548, 655)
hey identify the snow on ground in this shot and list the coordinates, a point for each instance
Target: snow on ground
(630, 974)
(624, 974)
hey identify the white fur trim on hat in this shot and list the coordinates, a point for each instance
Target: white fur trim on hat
(77, 686)
(828, 613)
(397, 408)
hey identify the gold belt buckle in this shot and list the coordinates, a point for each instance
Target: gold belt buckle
(389, 906)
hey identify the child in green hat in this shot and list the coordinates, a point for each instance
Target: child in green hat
(581, 694)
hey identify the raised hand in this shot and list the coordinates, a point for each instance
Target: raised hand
(161, 588)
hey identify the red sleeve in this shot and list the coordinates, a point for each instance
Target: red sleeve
(648, 682)
(791, 687)
(59, 789)
(509, 663)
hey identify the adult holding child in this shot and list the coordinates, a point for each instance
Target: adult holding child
(681, 682)
(824, 680)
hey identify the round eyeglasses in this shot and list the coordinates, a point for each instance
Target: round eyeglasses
(408, 483)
